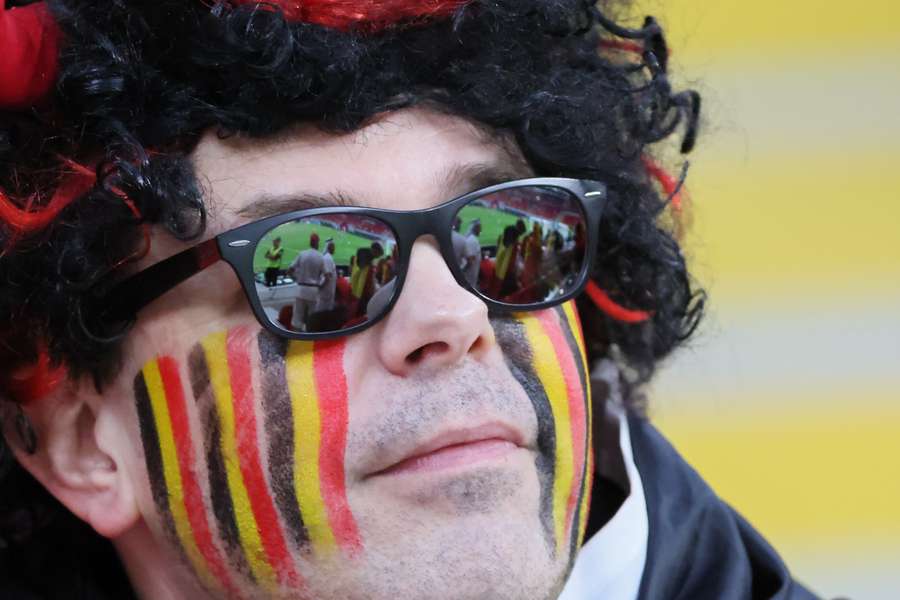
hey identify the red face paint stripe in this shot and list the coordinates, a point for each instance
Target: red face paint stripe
(193, 496)
(550, 322)
(328, 364)
(267, 522)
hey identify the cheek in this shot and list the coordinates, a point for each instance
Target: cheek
(244, 444)
(556, 371)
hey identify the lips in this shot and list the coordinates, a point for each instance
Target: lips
(450, 448)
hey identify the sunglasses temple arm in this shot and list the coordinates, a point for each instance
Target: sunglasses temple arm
(131, 295)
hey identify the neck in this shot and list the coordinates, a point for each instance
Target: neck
(155, 573)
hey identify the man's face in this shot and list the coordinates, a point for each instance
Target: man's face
(440, 453)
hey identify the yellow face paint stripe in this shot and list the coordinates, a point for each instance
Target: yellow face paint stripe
(546, 367)
(586, 497)
(217, 362)
(171, 472)
(307, 439)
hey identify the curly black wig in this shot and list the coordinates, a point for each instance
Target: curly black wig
(141, 80)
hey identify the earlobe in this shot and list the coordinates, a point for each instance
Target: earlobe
(79, 458)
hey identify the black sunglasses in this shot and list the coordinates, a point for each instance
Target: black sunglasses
(326, 272)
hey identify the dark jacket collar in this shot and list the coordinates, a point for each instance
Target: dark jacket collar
(699, 548)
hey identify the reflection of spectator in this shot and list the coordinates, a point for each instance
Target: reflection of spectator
(554, 242)
(362, 279)
(505, 265)
(387, 267)
(458, 241)
(580, 241)
(472, 253)
(329, 279)
(520, 228)
(379, 263)
(273, 262)
(307, 272)
(533, 255)
(334, 296)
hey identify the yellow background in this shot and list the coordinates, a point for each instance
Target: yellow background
(787, 400)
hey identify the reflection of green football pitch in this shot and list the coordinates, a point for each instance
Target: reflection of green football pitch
(295, 239)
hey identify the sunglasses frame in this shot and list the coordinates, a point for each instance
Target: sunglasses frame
(237, 247)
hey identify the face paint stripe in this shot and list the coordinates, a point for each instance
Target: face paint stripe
(307, 437)
(548, 369)
(520, 360)
(574, 320)
(586, 497)
(555, 327)
(278, 417)
(223, 509)
(267, 521)
(579, 407)
(171, 469)
(569, 323)
(216, 361)
(576, 335)
(193, 495)
(571, 312)
(153, 454)
(331, 385)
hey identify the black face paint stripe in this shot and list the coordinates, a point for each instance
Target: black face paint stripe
(518, 355)
(153, 456)
(280, 432)
(222, 505)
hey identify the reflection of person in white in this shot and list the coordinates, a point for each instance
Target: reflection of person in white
(472, 253)
(307, 272)
(459, 243)
(329, 278)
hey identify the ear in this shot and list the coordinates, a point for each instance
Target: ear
(80, 457)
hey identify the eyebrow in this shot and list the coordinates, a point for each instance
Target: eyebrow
(457, 180)
(267, 205)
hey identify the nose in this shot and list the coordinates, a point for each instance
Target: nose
(435, 322)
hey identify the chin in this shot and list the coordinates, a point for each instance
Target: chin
(476, 559)
(473, 536)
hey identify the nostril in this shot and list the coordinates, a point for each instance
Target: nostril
(414, 356)
(422, 352)
(477, 345)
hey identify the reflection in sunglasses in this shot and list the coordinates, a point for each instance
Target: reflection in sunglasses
(330, 272)
(313, 285)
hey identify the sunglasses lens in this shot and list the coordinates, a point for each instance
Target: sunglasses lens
(325, 273)
(522, 245)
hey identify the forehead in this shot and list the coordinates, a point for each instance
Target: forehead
(407, 160)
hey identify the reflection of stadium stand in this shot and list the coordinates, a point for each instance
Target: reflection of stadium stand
(274, 298)
(362, 226)
(522, 204)
(277, 303)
